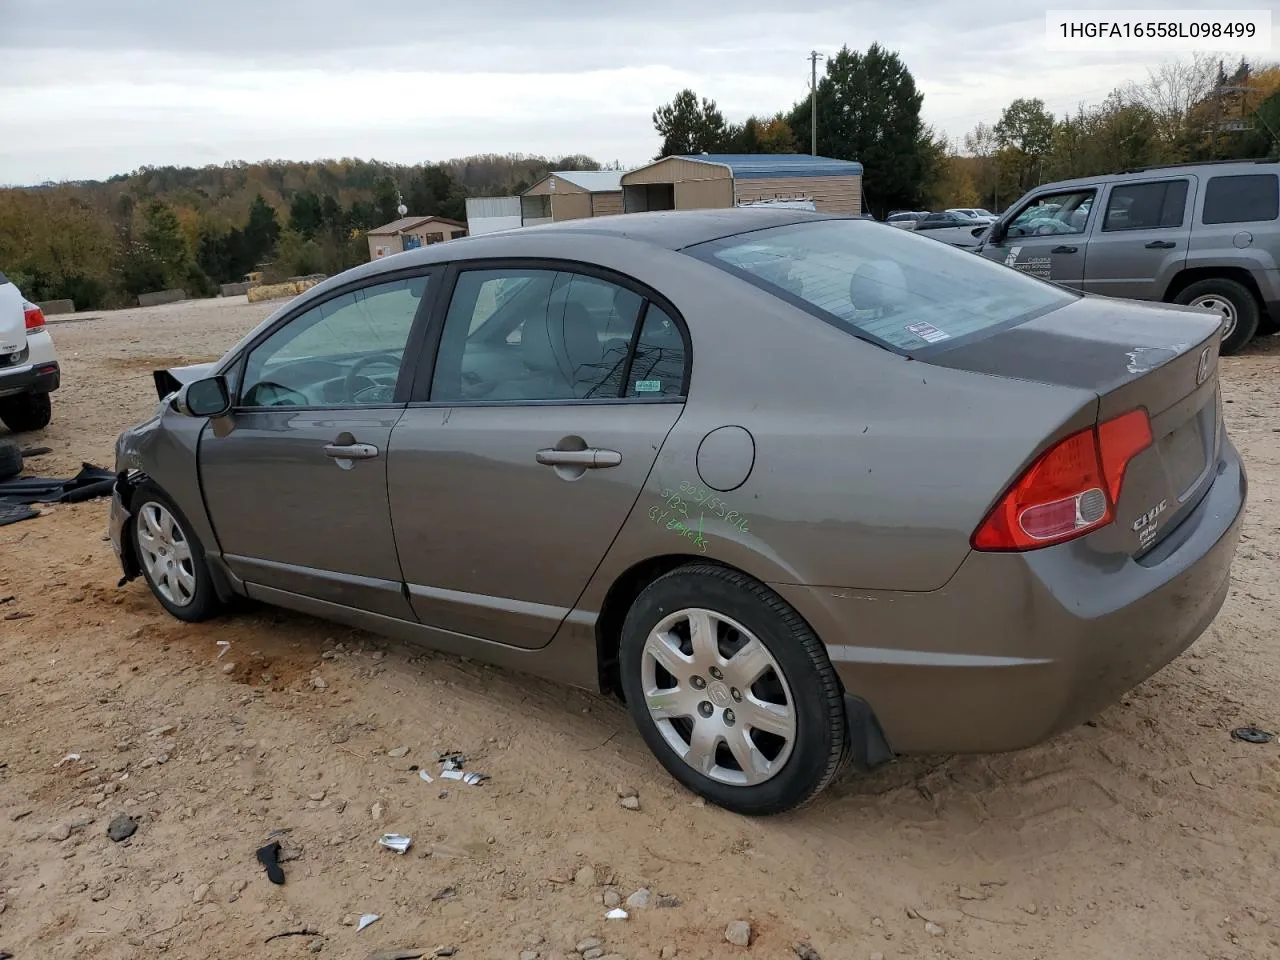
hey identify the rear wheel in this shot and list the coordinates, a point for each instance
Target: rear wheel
(732, 691)
(172, 559)
(1233, 302)
(10, 459)
(26, 411)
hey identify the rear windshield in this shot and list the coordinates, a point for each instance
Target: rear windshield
(910, 293)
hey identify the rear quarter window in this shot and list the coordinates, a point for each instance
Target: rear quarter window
(909, 293)
(1245, 198)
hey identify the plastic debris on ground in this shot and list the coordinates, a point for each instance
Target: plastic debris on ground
(617, 913)
(225, 645)
(395, 841)
(365, 920)
(470, 778)
(69, 758)
(425, 777)
(452, 761)
(1252, 735)
(269, 857)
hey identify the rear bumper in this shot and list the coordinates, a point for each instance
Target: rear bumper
(1018, 647)
(33, 378)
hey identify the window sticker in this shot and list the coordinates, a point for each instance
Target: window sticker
(928, 332)
(648, 386)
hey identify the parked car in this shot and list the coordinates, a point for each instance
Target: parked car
(953, 228)
(977, 214)
(28, 364)
(679, 457)
(906, 219)
(1206, 235)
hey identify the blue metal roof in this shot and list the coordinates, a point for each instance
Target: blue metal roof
(756, 166)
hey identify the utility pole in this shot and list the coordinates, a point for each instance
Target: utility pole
(814, 57)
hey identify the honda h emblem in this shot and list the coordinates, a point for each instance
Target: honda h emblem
(1202, 369)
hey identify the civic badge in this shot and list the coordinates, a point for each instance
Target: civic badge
(1202, 368)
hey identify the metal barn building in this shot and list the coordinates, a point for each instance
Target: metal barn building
(571, 195)
(727, 180)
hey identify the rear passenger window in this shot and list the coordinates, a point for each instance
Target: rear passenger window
(518, 335)
(1247, 198)
(1146, 206)
(658, 367)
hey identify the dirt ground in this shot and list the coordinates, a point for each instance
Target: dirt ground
(1147, 834)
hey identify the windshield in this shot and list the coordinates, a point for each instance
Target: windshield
(905, 292)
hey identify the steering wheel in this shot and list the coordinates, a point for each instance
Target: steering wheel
(357, 373)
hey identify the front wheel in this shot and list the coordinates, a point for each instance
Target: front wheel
(732, 691)
(172, 559)
(1233, 302)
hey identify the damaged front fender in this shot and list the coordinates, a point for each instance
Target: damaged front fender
(120, 529)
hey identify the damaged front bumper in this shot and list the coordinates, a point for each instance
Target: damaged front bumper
(119, 530)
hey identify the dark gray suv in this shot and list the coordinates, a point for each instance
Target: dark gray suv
(1206, 235)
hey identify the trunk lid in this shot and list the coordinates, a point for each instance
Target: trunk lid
(1163, 359)
(13, 325)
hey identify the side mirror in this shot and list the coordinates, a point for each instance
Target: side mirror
(997, 233)
(203, 398)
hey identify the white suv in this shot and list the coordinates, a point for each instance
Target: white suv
(28, 364)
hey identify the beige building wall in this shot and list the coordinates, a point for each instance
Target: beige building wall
(543, 187)
(829, 194)
(704, 194)
(606, 204)
(676, 169)
(570, 206)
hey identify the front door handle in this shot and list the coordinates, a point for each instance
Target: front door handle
(1063, 249)
(1161, 245)
(590, 459)
(350, 451)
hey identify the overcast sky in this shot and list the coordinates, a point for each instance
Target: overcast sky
(89, 88)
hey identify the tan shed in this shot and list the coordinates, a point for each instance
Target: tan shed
(572, 195)
(712, 181)
(411, 232)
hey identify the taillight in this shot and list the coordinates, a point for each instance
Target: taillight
(1070, 490)
(34, 317)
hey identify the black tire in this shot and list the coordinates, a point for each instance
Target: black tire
(1242, 301)
(202, 602)
(10, 459)
(26, 412)
(819, 746)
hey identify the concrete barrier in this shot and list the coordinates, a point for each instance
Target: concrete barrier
(161, 296)
(277, 291)
(234, 289)
(53, 307)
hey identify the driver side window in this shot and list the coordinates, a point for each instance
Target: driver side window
(345, 351)
(1054, 214)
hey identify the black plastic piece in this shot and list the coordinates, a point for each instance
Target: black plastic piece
(868, 747)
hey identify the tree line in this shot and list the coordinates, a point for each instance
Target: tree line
(869, 110)
(101, 243)
(1186, 111)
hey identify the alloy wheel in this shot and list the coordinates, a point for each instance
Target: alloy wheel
(166, 554)
(718, 697)
(1222, 306)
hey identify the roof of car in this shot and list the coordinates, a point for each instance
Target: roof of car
(1217, 168)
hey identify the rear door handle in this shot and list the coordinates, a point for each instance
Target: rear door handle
(591, 458)
(350, 451)
(1063, 249)
(1161, 245)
